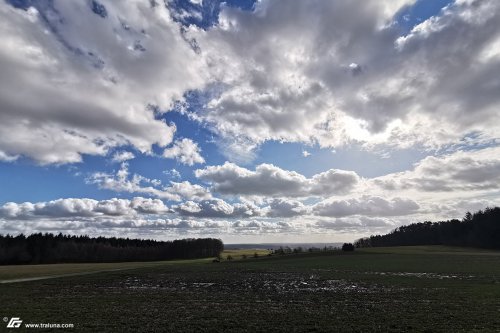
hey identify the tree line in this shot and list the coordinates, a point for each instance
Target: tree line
(480, 229)
(289, 250)
(49, 248)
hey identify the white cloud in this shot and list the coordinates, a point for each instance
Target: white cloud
(356, 224)
(286, 208)
(122, 156)
(350, 77)
(325, 73)
(122, 181)
(269, 180)
(75, 83)
(7, 158)
(461, 171)
(366, 205)
(185, 151)
(74, 207)
(333, 181)
(217, 208)
(209, 208)
(259, 227)
(148, 205)
(190, 191)
(173, 173)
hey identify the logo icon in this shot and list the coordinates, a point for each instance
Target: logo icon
(15, 322)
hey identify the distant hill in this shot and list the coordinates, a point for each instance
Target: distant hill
(481, 229)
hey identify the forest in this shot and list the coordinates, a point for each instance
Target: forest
(480, 229)
(49, 248)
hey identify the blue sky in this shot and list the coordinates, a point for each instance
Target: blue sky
(247, 121)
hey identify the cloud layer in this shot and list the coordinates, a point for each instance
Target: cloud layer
(72, 207)
(326, 72)
(269, 180)
(79, 83)
(340, 72)
(123, 181)
(461, 171)
(79, 80)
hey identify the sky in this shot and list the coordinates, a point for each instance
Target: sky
(248, 121)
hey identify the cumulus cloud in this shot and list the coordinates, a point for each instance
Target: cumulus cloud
(123, 181)
(367, 224)
(148, 205)
(366, 205)
(212, 208)
(144, 217)
(351, 76)
(286, 208)
(452, 209)
(269, 180)
(259, 227)
(75, 207)
(75, 83)
(459, 171)
(122, 156)
(325, 72)
(217, 208)
(189, 191)
(185, 151)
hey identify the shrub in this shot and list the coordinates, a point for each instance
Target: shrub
(348, 247)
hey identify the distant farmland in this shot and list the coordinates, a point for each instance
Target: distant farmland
(426, 288)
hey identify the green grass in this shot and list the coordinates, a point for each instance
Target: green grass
(406, 289)
(249, 253)
(435, 249)
(13, 272)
